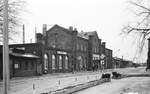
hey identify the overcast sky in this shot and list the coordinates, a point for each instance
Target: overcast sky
(107, 17)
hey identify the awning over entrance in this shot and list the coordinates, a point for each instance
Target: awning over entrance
(26, 55)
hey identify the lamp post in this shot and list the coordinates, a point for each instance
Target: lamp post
(5, 49)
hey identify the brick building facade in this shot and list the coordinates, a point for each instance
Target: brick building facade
(108, 63)
(70, 50)
(24, 60)
(66, 50)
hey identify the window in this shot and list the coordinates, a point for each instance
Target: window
(45, 62)
(81, 48)
(29, 65)
(85, 48)
(77, 46)
(32, 65)
(26, 65)
(16, 66)
(66, 62)
(53, 62)
(60, 62)
(53, 44)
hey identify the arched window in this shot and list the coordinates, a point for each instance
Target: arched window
(60, 62)
(66, 62)
(53, 62)
(45, 62)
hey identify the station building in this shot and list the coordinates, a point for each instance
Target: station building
(59, 49)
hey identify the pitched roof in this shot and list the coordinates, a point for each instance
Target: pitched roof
(81, 34)
(62, 28)
(87, 34)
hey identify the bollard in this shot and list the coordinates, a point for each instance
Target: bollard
(59, 86)
(33, 88)
(76, 79)
(87, 77)
(59, 82)
(96, 77)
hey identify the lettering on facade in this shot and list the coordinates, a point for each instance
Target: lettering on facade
(21, 48)
(61, 52)
(96, 57)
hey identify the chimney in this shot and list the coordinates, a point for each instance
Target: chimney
(104, 44)
(82, 31)
(75, 29)
(44, 29)
(100, 40)
(39, 37)
(103, 47)
(71, 28)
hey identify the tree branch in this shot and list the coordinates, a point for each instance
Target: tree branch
(140, 6)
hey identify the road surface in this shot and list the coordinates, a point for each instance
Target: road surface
(133, 85)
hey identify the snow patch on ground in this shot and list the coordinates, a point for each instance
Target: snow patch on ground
(140, 86)
(134, 85)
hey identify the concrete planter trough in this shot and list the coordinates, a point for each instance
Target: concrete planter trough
(71, 89)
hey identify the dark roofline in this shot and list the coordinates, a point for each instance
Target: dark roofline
(64, 29)
(11, 45)
(24, 44)
(108, 49)
(24, 55)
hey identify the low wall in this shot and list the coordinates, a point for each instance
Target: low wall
(71, 89)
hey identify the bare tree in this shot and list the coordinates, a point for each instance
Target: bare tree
(15, 7)
(141, 27)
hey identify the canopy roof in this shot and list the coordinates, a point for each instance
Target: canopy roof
(26, 55)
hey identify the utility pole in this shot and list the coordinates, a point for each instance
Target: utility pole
(30, 40)
(5, 49)
(35, 35)
(23, 34)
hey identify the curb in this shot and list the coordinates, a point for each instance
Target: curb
(72, 89)
(138, 75)
(132, 75)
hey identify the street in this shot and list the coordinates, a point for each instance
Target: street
(134, 85)
(137, 85)
(50, 82)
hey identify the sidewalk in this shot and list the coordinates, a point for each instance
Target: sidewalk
(54, 81)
